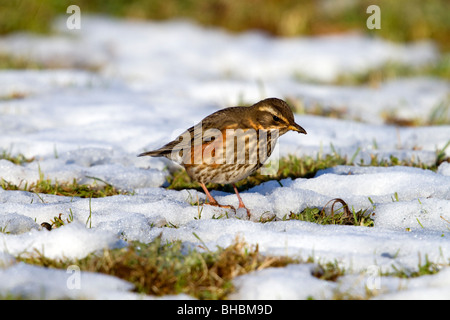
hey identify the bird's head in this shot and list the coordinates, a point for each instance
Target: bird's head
(275, 114)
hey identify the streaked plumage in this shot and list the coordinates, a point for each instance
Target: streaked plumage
(230, 144)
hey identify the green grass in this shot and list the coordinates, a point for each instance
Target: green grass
(44, 185)
(307, 167)
(288, 167)
(302, 167)
(13, 62)
(387, 72)
(341, 215)
(68, 189)
(159, 268)
(401, 20)
(425, 268)
(394, 70)
(438, 115)
(18, 159)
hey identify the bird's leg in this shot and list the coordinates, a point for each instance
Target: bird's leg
(241, 203)
(212, 201)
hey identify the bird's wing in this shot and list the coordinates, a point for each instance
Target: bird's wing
(202, 133)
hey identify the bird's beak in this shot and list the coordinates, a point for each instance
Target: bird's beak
(296, 127)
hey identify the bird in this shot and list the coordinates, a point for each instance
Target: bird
(230, 144)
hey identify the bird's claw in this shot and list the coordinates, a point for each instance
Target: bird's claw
(216, 204)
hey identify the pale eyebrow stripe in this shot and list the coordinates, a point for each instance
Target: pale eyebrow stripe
(270, 110)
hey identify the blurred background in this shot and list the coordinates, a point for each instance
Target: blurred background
(402, 20)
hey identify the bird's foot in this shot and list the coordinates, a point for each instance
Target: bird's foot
(241, 206)
(237, 211)
(216, 204)
(242, 215)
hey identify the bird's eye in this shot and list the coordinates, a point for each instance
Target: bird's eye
(275, 118)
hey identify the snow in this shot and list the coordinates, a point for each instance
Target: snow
(271, 283)
(37, 282)
(154, 80)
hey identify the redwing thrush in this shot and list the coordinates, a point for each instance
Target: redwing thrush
(230, 144)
